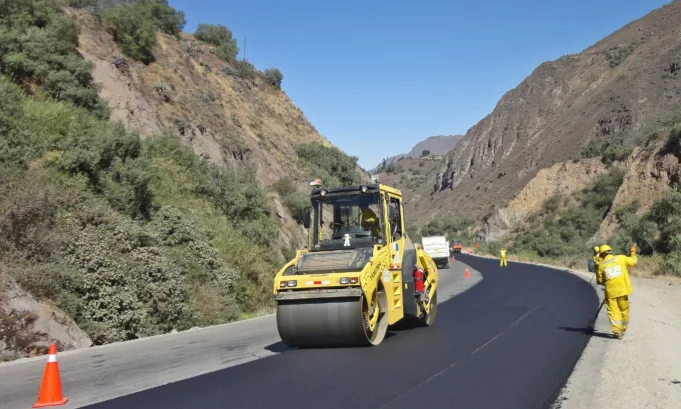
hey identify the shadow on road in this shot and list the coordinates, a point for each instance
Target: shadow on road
(278, 347)
(586, 330)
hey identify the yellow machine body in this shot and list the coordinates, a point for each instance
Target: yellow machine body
(352, 281)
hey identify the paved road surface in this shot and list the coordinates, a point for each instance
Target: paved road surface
(508, 342)
(102, 373)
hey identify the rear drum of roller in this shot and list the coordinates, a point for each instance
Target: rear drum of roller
(329, 322)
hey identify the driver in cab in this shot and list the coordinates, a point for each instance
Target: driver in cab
(370, 221)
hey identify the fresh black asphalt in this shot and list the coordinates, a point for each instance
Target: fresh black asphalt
(509, 342)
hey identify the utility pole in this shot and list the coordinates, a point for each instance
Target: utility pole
(244, 57)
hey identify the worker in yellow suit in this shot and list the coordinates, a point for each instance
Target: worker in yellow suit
(612, 273)
(596, 258)
(502, 257)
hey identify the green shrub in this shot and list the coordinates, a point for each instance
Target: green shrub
(40, 48)
(329, 163)
(133, 30)
(616, 55)
(615, 153)
(608, 152)
(657, 232)
(221, 37)
(245, 69)
(273, 76)
(135, 24)
(294, 200)
(563, 227)
(452, 228)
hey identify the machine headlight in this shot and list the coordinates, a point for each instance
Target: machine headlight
(345, 280)
(349, 280)
(363, 189)
(323, 192)
(292, 283)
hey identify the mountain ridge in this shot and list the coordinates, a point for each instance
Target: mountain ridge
(435, 145)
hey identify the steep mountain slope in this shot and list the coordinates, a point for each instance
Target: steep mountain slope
(189, 92)
(599, 102)
(150, 182)
(435, 145)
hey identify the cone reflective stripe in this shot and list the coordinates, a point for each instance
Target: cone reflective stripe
(50, 389)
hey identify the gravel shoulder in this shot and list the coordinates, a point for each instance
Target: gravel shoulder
(643, 370)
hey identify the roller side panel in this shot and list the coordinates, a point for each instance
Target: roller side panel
(408, 282)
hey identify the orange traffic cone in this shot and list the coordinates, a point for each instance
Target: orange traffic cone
(453, 259)
(50, 389)
(468, 275)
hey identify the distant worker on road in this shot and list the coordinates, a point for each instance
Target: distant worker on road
(595, 260)
(613, 275)
(502, 257)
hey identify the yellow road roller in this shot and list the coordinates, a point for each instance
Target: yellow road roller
(358, 274)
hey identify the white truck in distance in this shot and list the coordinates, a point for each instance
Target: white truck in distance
(437, 248)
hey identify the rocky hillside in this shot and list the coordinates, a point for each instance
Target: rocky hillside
(151, 180)
(584, 150)
(224, 111)
(597, 103)
(431, 146)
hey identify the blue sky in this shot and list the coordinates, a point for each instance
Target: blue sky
(376, 77)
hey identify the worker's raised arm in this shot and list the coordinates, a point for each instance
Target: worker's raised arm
(631, 260)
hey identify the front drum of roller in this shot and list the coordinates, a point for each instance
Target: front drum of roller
(326, 323)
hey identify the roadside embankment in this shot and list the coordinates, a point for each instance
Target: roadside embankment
(643, 370)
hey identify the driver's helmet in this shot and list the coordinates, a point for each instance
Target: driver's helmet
(368, 216)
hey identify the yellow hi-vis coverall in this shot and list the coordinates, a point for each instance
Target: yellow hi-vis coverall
(612, 271)
(597, 260)
(502, 258)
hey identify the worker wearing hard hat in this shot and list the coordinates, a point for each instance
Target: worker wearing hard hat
(370, 221)
(502, 257)
(596, 258)
(612, 273)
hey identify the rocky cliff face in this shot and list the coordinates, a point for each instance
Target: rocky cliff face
(29, 326)
(612, 92)
(652, 170)
(562, 178)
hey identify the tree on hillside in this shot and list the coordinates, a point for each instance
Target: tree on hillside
(221, 37)
(273, 76)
